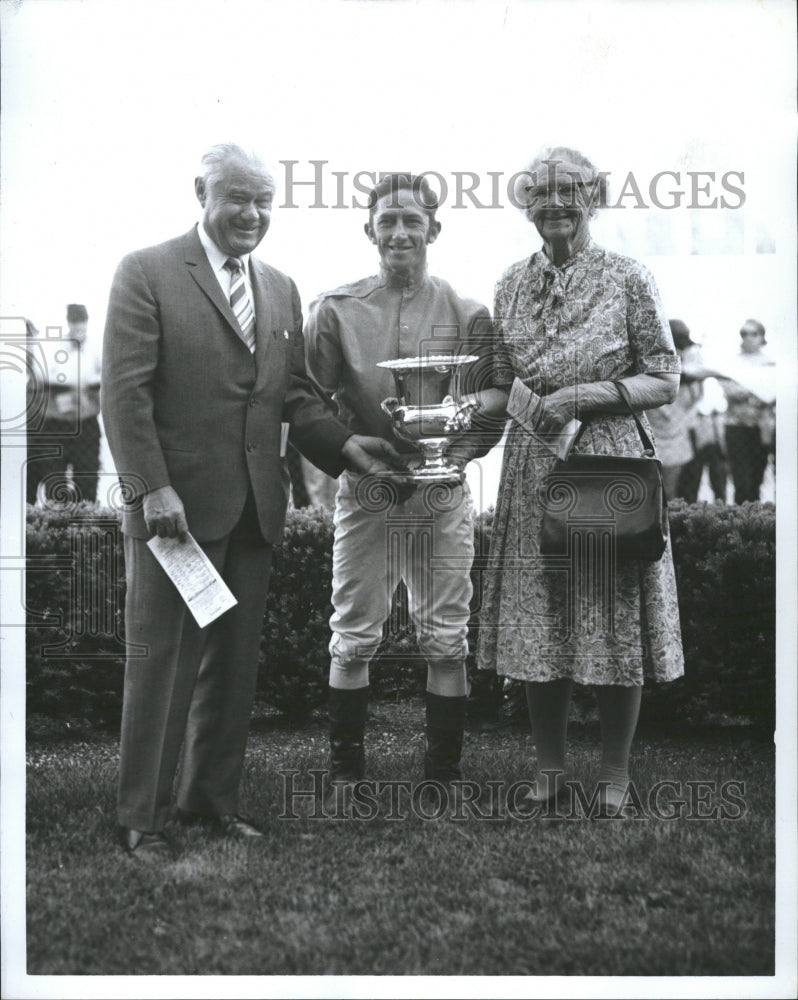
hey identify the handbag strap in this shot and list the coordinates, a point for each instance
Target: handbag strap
(648, 445)
(623, 392)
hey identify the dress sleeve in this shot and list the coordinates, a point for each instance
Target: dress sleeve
(649, 333)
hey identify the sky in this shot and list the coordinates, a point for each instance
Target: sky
(107, 106)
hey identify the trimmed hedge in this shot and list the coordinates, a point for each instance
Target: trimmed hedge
(725, 559)
(725, 566)
(74, 596)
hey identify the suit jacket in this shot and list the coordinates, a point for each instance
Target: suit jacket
(185, 403)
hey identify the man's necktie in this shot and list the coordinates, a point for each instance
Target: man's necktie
(239, 300)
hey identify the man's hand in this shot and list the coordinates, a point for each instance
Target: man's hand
(164, 514)
(371, 454)
(460, 452)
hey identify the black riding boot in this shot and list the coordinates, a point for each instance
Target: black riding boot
(347, 710)
(445, 724)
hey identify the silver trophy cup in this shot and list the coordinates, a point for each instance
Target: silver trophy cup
(428, 410)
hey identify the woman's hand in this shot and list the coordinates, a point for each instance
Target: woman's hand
(555, 411)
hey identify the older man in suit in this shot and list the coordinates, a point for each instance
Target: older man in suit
(203, 366)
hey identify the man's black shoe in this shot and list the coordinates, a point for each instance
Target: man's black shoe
(238, 828)
(228, 825)
(144, 846)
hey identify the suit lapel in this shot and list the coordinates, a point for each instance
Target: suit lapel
(200, 270)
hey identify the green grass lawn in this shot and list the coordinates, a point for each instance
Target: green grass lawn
(503, 896)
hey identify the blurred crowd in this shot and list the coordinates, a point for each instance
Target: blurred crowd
(722, 424)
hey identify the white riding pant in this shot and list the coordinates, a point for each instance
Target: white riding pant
(427, 541)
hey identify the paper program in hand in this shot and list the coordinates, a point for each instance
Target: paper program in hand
(206, 594)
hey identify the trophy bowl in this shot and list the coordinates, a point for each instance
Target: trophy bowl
(428, 410)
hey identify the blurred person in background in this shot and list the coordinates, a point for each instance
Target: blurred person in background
(672, 423)
(707, 435)
(751, 413)
(64, 447)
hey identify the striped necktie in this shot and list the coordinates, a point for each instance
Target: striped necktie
(239, 300)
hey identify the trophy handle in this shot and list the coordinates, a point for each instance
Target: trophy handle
(461, 420)
(389, 405)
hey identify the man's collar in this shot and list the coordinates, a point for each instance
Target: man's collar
(394, 280)
(216, 256)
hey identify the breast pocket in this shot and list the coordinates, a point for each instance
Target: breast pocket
(290, 347)
(275, 352)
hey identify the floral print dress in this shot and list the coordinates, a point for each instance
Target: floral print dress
(596, 317)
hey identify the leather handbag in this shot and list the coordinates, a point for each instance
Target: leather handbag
(608, 503)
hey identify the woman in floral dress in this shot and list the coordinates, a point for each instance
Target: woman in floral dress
(570, 319)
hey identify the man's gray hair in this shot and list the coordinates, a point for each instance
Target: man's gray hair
(219, 156)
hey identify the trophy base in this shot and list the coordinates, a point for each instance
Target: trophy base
(436, 474)
(434, 468)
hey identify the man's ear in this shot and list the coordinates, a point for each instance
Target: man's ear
(199, 190)
(367, 229)
(434, 231)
